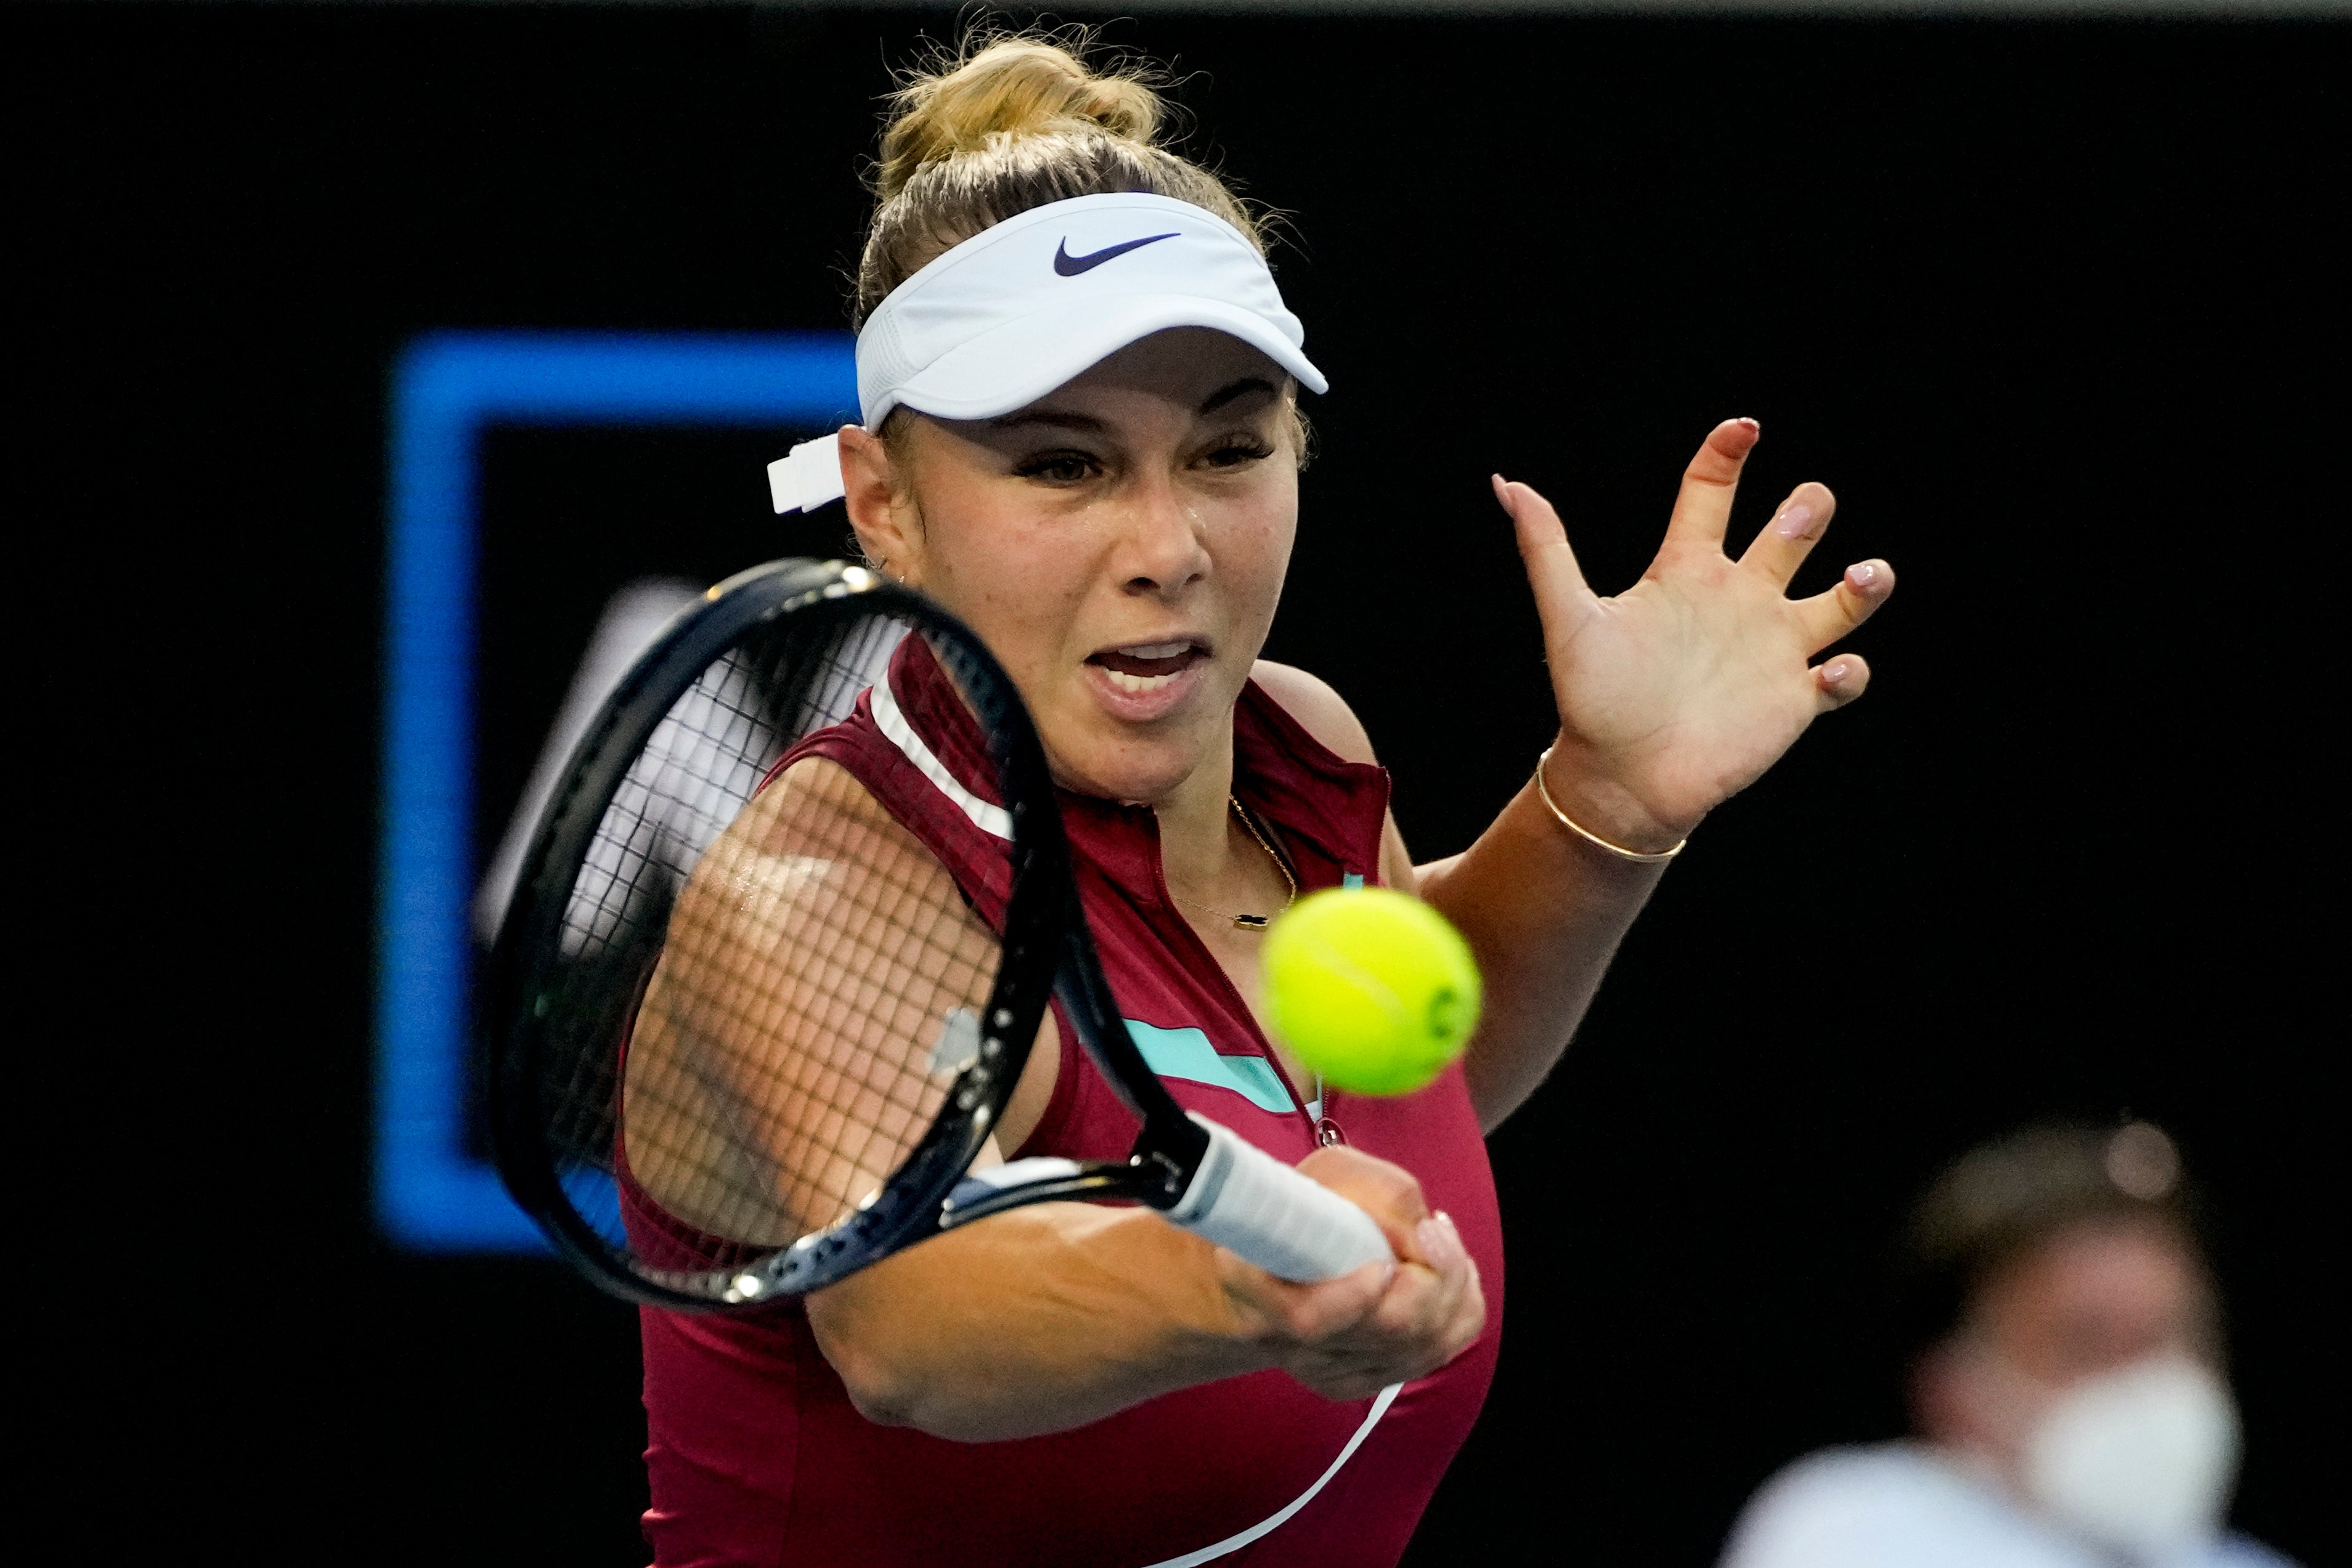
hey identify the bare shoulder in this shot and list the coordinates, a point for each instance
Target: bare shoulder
(1325, 715)
(1320, 711)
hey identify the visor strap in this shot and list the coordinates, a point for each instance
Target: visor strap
(807, 476)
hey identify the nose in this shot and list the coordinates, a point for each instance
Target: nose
(1160, 551)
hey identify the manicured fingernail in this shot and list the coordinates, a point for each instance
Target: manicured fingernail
(1833, 674)
(1861, 575)
(1750, 423)
(1796, 523)
(1440, 1242)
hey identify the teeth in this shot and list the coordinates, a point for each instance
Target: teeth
(1128, 683)
(1155, 649)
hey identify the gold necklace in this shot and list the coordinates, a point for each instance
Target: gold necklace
(1281, 863)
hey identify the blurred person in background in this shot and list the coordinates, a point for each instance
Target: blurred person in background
(2067, 1386)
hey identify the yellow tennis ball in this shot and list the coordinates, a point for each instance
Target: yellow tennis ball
(1371, 989)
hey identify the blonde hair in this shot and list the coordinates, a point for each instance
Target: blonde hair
(1011, 122)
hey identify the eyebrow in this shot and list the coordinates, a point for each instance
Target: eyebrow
(1242, 388)
(1058, 419)
(1048, 416)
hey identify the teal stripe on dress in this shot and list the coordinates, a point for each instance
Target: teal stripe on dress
(1352, 879)
(1186, 1053)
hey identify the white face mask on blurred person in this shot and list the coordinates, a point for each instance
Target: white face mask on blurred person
(2140, 1460)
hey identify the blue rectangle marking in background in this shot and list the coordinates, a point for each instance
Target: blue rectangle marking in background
(431, 1194)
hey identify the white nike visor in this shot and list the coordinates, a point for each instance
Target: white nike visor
(1014, 311)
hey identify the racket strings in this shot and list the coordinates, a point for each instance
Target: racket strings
(696, 772)
(811, 1016)
(899, 919)
(693, 776)
(811, 976)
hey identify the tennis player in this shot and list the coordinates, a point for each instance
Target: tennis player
(1081, 434)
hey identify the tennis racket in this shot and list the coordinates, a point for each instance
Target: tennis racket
(747, 1036)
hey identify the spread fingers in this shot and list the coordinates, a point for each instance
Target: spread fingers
(1783, 543)
(1826, 617)
(1838, 680)
(1702, 507)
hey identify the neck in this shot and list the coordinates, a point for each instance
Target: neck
(1195, 838)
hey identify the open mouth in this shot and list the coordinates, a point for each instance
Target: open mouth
(1141, 668)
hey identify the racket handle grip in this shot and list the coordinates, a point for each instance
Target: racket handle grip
(1266, 1213)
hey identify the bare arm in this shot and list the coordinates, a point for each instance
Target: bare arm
(1543, 911)
(1048, 1318)
(1673, 696)
(779, 1070)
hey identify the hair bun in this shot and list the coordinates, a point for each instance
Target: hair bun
(1005, 122)
(1012, 88)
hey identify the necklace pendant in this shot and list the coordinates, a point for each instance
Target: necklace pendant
(1249, 922)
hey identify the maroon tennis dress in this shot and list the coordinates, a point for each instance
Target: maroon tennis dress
(756, 1454)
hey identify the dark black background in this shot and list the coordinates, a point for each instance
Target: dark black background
(2048, 305)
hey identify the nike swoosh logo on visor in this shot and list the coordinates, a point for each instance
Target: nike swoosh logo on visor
(1070, 266)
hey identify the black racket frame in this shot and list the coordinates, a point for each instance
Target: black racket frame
(1046, 943)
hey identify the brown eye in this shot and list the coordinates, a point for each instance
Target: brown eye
(1058, 467)
(1239, 452)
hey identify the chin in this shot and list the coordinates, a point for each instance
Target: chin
(1133, 769)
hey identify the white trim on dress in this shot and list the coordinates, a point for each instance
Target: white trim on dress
(893, 723)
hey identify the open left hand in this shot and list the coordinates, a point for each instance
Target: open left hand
(1680, 692)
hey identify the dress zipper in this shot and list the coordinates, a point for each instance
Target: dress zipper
(1322, 1129)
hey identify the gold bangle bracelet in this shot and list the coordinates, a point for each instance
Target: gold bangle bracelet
(1587, 834)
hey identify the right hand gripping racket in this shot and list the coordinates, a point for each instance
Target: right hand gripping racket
(747, 1040)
